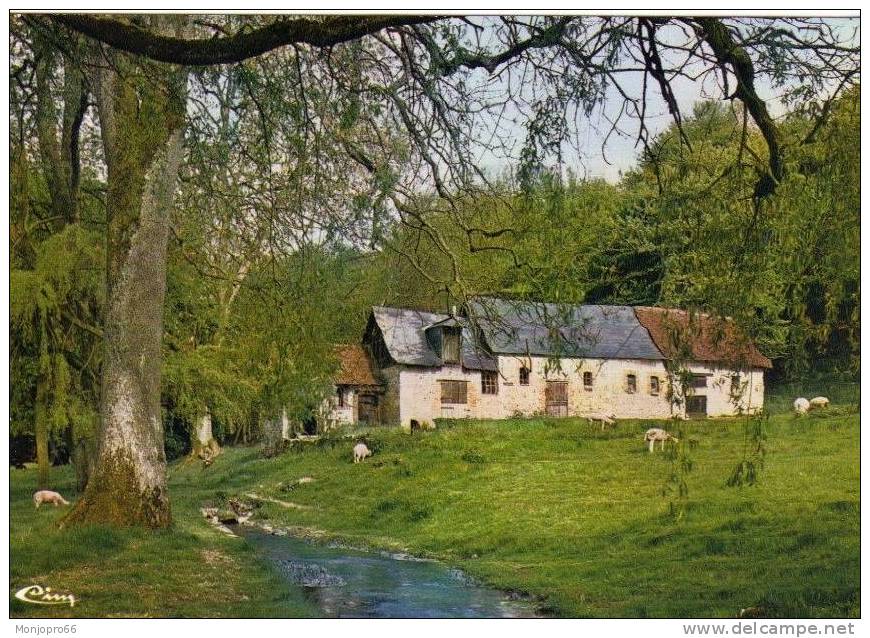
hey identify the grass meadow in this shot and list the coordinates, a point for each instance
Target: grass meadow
(555, 508)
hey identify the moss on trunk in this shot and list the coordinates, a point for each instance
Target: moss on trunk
(115, 495)
(203, 445)
(142, 112)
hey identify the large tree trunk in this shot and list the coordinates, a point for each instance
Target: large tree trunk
(142, 112)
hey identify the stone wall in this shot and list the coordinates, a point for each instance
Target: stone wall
(390, 414)
(748, 393)
(419, 398)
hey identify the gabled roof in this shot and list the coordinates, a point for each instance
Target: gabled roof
(564, 330)
(404, 336)
(700, 337)
(355, 367)
(546, 329)
(404, 333)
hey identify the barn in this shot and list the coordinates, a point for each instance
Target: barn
(500, 358)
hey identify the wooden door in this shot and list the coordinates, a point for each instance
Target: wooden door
(557, 398)
(368, 409)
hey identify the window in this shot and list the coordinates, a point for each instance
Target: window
(631, 383)
(524, 376)
(454, 392)
(450, 345)
(654, 385)
(587, 381)
(340, 392)
(699, 381)
(489, 382)
(735, 384)
(696, 406)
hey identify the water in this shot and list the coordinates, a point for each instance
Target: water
(348, 583)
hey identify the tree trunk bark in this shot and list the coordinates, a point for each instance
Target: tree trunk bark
(82, 443)
(59, 155)
(285, 425)
(40, 415)
(142, 114)
(204, 446)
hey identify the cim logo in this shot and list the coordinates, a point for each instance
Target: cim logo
(44, 596)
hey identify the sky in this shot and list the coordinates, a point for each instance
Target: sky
(620, 153)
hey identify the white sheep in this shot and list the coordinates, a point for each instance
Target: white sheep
(360, 452)
(819, 402)
(47, 496)
(657, 434)
(603, 418)
(801, 405)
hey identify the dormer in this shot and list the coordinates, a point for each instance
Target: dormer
(445, 339)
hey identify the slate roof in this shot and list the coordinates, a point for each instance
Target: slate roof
(546, 329)
(709, 339)
(404, 333)
(563, 330)
(355, 367)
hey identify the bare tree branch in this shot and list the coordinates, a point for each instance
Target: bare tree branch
(324, 32)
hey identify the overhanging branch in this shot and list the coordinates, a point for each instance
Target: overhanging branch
(728, 52)
(324, 32)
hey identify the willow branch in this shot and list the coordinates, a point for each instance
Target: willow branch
(324, 32)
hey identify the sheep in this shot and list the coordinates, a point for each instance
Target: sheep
(360, 452)
(657, 434)
(801, 406)
(819, 402)
(47, 496)
(604, 418)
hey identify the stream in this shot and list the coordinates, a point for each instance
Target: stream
(349, 583)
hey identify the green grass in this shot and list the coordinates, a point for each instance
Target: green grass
(555, 508)
(190, 570)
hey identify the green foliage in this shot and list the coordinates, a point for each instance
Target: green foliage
(46, 304)
(747, 470)
(676, 486)
(784, 268)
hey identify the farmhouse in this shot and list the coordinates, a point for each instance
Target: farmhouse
(499, 359)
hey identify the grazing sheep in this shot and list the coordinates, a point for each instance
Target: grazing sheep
(819, 402)
(801, 405)
(360, 452)
(657, 434)
(600, 416)
(47, 496)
